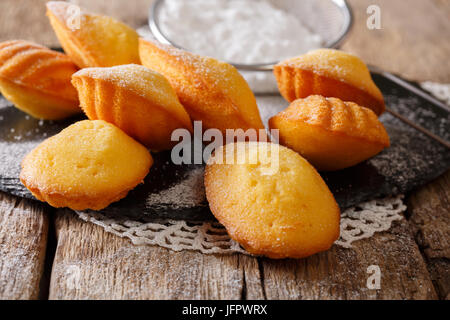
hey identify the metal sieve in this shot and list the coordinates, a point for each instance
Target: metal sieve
(331, 19)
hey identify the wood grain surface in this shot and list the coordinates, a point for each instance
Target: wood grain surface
(23, 241)
(429, 210)
(92, 264)
(106, 266)
(343, 273)
(89, 263)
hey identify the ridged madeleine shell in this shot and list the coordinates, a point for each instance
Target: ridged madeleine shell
(211, 91)
(329, 73)
(138, 100)
(330, 133)
(37, 80)
(92, 40)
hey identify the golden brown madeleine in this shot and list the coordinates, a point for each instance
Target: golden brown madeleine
(211, 91)
(274, 203)
(92, 40)
(138, 100)
(329, 73)
(37, 80)
(329, 133)
(88, 165)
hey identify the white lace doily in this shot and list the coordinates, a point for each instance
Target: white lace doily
(359, 222)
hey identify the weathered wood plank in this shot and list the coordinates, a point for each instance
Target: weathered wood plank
(92, 264)
(23, 239)
(429, 210)
(342, 273)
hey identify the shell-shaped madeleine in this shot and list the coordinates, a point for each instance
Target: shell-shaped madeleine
(329, 73)
(88, 165)
(330, 133)
(274, 203)
(138, 100)
(211, 91)
(37, 80)
(92, 40)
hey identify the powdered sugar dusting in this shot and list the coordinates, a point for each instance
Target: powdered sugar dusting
(422, 116)
(245, 32)
(4, 103)
(136, 78)
(440, 90)
(188, 193)
(237, 31)
(422, 153)
(16, 150)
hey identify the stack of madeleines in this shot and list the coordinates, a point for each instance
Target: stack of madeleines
(274, 203)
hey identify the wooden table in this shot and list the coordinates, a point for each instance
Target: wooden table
(48, 253)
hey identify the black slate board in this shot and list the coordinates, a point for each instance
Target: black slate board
(176, 191)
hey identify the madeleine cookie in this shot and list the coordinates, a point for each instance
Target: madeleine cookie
(274, 203)
(88, 165)
(138, 100)
(329, 133)
(329, 73)
(211, 91)
(37, 80)
(92, 40)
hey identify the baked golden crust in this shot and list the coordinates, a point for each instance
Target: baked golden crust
(88, 165)
(98, 41)
(138, 100)
(211, 91)
(329, 133)
(329, 73)
(37, 80)
(274, 206)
